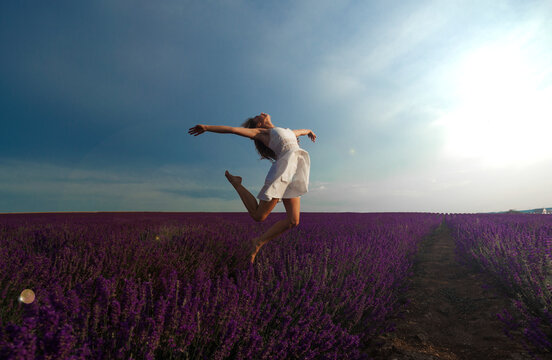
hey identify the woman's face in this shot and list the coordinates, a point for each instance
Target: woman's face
(263, 120)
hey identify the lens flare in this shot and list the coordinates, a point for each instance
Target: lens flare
(27, 296)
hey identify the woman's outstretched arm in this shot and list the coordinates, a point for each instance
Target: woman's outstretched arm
(308, 132)
(246, 132)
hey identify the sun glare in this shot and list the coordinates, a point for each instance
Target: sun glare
(504, 113)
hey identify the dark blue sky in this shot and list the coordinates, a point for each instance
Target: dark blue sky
(96, 99)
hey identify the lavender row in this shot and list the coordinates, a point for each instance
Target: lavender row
(517, 250)
(178, 286)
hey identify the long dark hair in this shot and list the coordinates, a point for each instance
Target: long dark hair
(262, 149)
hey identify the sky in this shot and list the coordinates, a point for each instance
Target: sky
(419, 106)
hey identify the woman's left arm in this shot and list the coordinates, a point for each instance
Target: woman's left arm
(308, 132)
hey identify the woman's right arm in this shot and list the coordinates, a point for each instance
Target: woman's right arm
(246, 132)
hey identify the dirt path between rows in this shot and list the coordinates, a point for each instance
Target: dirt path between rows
(451, 314)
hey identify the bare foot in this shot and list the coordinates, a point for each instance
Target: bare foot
(255, 246)
(234, 180)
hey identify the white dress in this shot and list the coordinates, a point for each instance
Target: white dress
(289, 175)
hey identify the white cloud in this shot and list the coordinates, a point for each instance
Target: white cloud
(49, 187)
(444, 186)
(361, 69)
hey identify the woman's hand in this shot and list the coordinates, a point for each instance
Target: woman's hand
(311, 135)
(197, 130)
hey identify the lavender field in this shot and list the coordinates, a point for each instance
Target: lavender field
(516, 249)
(178, 285)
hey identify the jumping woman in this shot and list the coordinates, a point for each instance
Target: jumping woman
(287, 179)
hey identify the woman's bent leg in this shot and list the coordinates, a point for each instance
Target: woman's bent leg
(258, 211)
(292, 219)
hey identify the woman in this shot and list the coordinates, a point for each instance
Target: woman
(287, 179)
